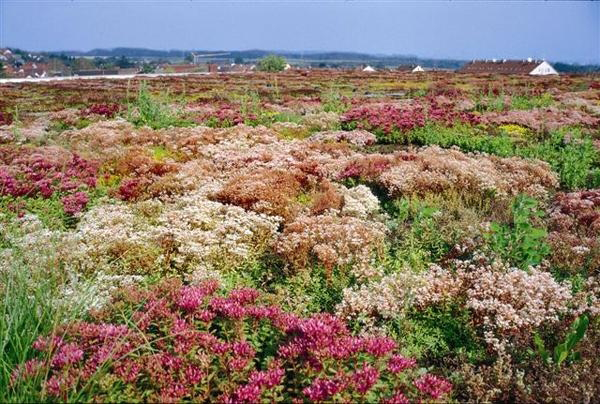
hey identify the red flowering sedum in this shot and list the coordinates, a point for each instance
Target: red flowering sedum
(45, 172)
(173, 342)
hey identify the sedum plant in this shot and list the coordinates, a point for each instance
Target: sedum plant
(194, 343)
(522, 243)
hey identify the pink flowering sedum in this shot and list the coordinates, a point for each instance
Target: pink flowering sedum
(173, 351)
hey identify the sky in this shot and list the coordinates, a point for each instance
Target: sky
(566, 31)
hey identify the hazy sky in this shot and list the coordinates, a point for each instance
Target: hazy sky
(555, 30)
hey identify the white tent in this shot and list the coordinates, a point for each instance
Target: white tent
(368, 69)
(543, 69)
(417, 69)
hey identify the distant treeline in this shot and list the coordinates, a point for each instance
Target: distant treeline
(329, 59)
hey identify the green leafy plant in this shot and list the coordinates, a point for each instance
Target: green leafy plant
(148, 110)
(520, 243)
(525, 102)
(565, 350)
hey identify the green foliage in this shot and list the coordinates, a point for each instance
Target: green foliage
(272, 63)
(314, 291)
(148, 110)
(565, 350)
(333, 101)
(502, 102)
(520, 243)
(148, 68)
(28, 309)
(530, 102)
(438, 332)
(425, 229)
(575, 160)
(419, 241)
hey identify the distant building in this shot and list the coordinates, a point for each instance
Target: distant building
(179, 68)
(95, 72)
(233, 68)
(129, 70)
(31, 70)
(529, 66)
(211, 58)
(369, 69)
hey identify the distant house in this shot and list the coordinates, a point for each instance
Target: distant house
(369, 69)
(129, 70)
(529, 66)
(233, 68)
(96, 72)
(178, 68)
(210, 58)
(33, 70)
(410, 68)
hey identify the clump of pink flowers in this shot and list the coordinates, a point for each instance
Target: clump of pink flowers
(224, 116)
(105, 110)
(45, 172)
(388, 118)
(198, 343)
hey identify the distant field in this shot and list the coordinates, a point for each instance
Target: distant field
(309, 236)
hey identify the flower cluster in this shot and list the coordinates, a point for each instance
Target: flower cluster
(506, 302)
(47, 171)
(178, 236)
(387, 118)
(355, 137)
(105, 110)
(574, 227)
(170, 350)
(388, 297)
(333, 241)
(271, 192)
(225, 115)
(436, 170)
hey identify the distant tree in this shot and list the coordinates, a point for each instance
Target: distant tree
(189, 58)
(238, 60)
(123, 62)
(57, 65)
(272, 63)
(83, 64)
(99, 62)
(2, 71)
(148, 68)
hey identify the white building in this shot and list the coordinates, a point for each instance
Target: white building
(368, 69)
(543, 69)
